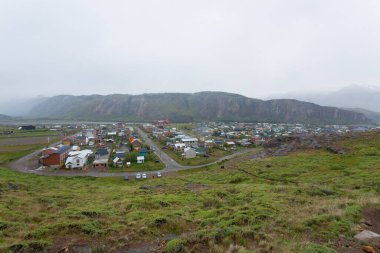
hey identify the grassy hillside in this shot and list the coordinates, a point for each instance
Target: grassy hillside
(299, 203)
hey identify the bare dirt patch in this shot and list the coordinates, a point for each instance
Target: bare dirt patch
(371, 221)
(196, 187)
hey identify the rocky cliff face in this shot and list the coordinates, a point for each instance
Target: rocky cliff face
(182, 107)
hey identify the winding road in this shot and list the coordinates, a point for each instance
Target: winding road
(26, 164)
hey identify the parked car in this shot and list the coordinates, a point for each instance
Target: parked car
(126, 178)
(144, 175)
(138, 176)
(156, 161)
(159, 174)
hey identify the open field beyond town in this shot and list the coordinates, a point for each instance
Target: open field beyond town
(309, 201)
(15, 143)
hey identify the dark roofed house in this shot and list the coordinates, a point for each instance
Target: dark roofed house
(101, 152)
(120, 154)
(219, 142)
(201, 151)
(27, 127)
(80, 140)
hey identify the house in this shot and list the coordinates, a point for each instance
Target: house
(54, 157)
(136, 144)
(179, 146)
(189, 153)
(231, 143)
(78, 159)
(189, 142)
(88, 132)
(68, 141)
(143, 152)
(80, 140)
(140, 159)
(125, 147)
(118, 162)
(244, 143)
(200, 151)
(209, 144)
(219, 143)
(27, 127)
(101, 152)
(161, 123)
(100, 163)
(112, 134)
(120, 154)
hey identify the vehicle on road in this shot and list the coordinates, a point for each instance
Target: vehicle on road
(138, 176)
(144, 176)
(159, 174)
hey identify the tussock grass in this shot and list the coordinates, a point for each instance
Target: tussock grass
(301, 203)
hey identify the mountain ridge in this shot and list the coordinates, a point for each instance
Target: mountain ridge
(352, 96)
(186, 107)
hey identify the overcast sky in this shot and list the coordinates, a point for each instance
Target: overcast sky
(255, 48)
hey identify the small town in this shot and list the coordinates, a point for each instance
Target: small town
(138, 149)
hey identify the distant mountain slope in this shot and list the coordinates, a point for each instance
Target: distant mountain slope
(5, 117)
(19, 106)
(374, 116)
(353, 96)
(183, 107)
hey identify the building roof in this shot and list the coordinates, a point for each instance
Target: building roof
(189, 139)
(82, 154)
(179, 145)
(101, 151)
(100, 161)
(120, 154)
(62, 149)
(188, 149)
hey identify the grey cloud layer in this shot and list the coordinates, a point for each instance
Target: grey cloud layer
(250, 47)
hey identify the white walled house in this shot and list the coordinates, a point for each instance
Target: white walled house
(140, 159)
(190, 141)
(77, 159)
(189, 153)
(179, 146)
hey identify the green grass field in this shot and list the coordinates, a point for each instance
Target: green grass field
(214, 155)
(10, 153)
(297, 203)
(27, 133)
